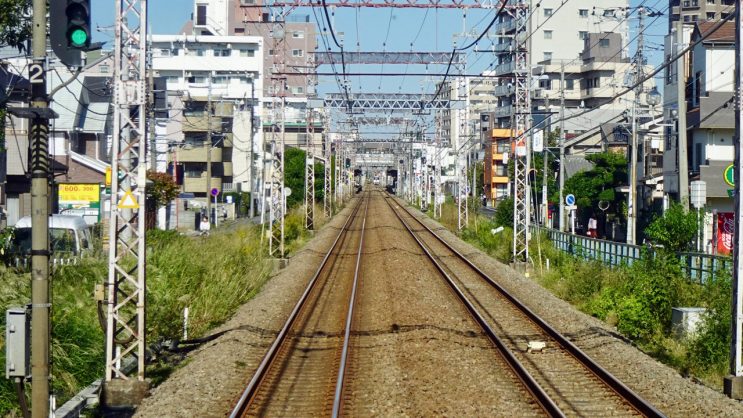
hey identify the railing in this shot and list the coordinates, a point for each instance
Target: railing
(699, 267)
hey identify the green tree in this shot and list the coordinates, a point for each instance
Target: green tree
(15, 23)
(675, 230)
(294, 165)
(591, 186)
(161, 188)
(504, 212)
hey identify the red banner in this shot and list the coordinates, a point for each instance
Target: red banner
(725, 229)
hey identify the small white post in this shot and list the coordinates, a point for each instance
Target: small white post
(185, 323)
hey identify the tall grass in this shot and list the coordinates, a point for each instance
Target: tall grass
(212, 276)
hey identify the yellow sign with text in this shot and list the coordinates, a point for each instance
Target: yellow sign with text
(79, 193)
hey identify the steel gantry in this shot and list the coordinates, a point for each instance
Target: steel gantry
(385, 57)
(405, 4)
(385, 101)
(520, 131)
(327, 184)
(309, 175)
(125, 300)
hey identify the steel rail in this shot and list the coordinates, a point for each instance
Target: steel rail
(349, 317)
(530, 384)
(250, 391)
(641, 405)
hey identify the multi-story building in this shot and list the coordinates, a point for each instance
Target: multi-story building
(551, 41)
(495, 169)
(692, 11)
(215, 86)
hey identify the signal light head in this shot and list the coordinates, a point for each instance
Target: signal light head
(78, 37)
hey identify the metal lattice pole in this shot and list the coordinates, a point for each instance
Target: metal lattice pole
(522, 111)
(328, 188)
(309, 177)
(125, 324)
(462, 212)
(278, 195)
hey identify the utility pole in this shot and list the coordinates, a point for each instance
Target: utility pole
(632, 205)
(40, 173)
(209, 151)
(733, 383)
(683, 161)
(561, 203)
(251, 161)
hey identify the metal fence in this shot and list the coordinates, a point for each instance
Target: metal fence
(699, 267)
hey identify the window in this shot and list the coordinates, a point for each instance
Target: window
(297, 90)
(239, 30)
(299, 34)
(604, 43)
(297, 53)
(583, 12)
(104, 69)
(545, 84)
(547, 12)
(694, 18)
(569, 84)
(195, 139)
(597, 82)
(583, 35)
(200, 52)
(687, 18)
(548, 34)
(164, 52)
(175, 52)
(222, 52)
(193, 170)
(247, 52)
(710, 15)
(710, 1)
(201, 14)
(271, 52)
(547, 56)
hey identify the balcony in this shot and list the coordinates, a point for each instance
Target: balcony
(197, 123)
(506, 68)
(198, 184)
(196, 154)
(503, 111)
(504, 90)
(506, 27)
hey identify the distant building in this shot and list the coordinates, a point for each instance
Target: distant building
(229, 69)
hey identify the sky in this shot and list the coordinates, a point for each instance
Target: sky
(380, 29)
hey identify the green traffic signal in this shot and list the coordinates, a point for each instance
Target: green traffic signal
(78, 37)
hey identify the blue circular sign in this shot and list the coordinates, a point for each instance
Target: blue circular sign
(570, 199)
(215, 191)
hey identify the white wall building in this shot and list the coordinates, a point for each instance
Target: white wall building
(230, 70)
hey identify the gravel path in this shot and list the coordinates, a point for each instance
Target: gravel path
(415, 353)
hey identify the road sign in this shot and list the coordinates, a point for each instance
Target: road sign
(214, 191)
(570, 200)
(729, 175)
(128, 201)
(571, 207)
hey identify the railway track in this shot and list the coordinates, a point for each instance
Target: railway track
(563, 379)
(304, 370)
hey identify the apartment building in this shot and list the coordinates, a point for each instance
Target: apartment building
(551, 41)
(692, 11)
(214, 86)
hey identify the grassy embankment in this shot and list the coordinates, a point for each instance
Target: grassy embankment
(635, 299)
(211, 275)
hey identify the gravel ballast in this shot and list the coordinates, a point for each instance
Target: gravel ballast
(416, 353)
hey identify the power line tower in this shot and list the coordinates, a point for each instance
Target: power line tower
(125, 324)
(522, 122)
(309, 174)
(277, 209)
(327, 184)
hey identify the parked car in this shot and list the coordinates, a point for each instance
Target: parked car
(68, 235)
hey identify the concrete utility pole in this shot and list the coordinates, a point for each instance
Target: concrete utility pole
(683, 164)
(632, 154)
(561, 203)
(209, 151)
(40, 173)
(733, 384)
(251, 160)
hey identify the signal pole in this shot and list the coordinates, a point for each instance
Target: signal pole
(40, 172)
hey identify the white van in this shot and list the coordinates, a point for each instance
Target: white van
(68, 235)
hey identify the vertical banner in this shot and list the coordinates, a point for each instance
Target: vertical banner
(725, 229)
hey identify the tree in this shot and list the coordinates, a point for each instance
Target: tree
(15, 23)
(504, 212)
(597, 184)
(675, 230)
(161, 188)
(294, 166)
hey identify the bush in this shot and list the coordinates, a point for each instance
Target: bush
(675, 230)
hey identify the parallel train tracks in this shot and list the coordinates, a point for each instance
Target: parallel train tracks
(305, 369)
